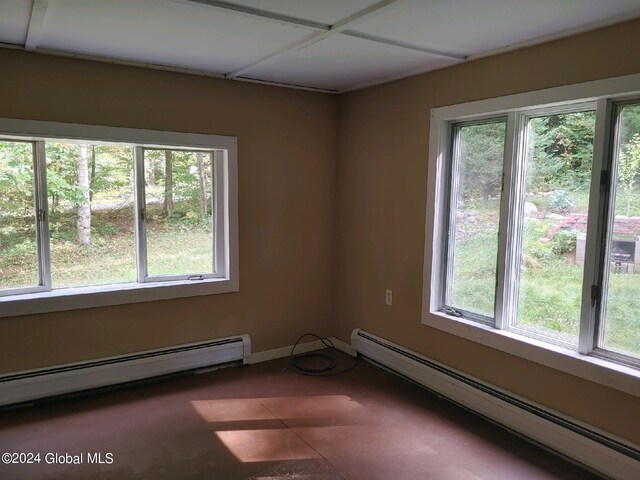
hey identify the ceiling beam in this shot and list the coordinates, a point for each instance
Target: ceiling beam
(36, 23)
(338, 27)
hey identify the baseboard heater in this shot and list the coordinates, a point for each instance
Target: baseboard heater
(597, 450)
(62, 379)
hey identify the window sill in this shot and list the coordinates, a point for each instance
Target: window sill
(598, 370)
(106, 295)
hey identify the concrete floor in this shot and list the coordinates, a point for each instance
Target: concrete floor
(268, 422)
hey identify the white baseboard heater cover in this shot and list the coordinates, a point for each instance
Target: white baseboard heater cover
(598, 450)
(61, 379)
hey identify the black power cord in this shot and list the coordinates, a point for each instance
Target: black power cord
(319, 363)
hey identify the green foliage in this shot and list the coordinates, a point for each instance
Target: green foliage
(62, 173)
(16, 178)
(23, 247)
(482, 156)
(629, 168)
(564, 241)
(550, 288)
(109, 229)
(533, 247)
(184, 218)
(560, 201)
(475, 274)
(185, 178)
(111, 172)
(562, 151)
(630, 124)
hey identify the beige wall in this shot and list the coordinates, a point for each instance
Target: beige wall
(287, 147)
(384, 141)
(315, 172)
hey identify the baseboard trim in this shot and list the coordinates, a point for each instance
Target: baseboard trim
(281, 352)
(343, 347)
(68, 378)
(614, 457)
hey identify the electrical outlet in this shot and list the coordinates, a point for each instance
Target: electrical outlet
(388, 297)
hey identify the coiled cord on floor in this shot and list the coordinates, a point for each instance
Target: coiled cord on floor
(328, 364)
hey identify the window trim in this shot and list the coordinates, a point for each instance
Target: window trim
(598, 368)
(226, 202)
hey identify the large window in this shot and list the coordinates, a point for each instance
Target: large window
(113, 211)
(535, 227)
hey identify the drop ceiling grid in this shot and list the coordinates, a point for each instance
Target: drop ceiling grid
(327, 12)
(189, 36)
(474, 27)
(340, 62)
(205, 36)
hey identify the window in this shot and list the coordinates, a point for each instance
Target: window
(178, 209)
(91, 223)
(533, 223)
(557, 159)
(620, 330)
(476, 179)
(19, 226)
(99, 216)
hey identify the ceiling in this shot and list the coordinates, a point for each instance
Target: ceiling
(327, 45)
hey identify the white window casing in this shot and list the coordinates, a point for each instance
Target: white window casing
(224, 273)
(587, 360)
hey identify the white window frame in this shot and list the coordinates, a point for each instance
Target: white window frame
(218, 269)
(586, 361)
(224, 277)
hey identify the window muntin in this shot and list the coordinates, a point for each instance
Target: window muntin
(472, 248)
(592, 294)
(620, 327)
(179, 211)
(558, 166)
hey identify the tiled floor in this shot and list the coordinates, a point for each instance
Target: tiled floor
(267, 422)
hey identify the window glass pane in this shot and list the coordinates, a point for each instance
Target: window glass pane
(18, 251)
(559, 164)
(475, 206)
(178, 190)
(91, 221)
(622, 316)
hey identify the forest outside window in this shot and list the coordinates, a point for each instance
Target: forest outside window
(85, 216)
(177, 199)
(537, 225)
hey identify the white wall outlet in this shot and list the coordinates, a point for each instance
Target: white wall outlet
(388, 297)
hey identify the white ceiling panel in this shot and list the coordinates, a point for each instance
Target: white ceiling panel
(14, 20)
(221, 36)
(342, 62)
(322, 11)
(163, 32)
(479, 26)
